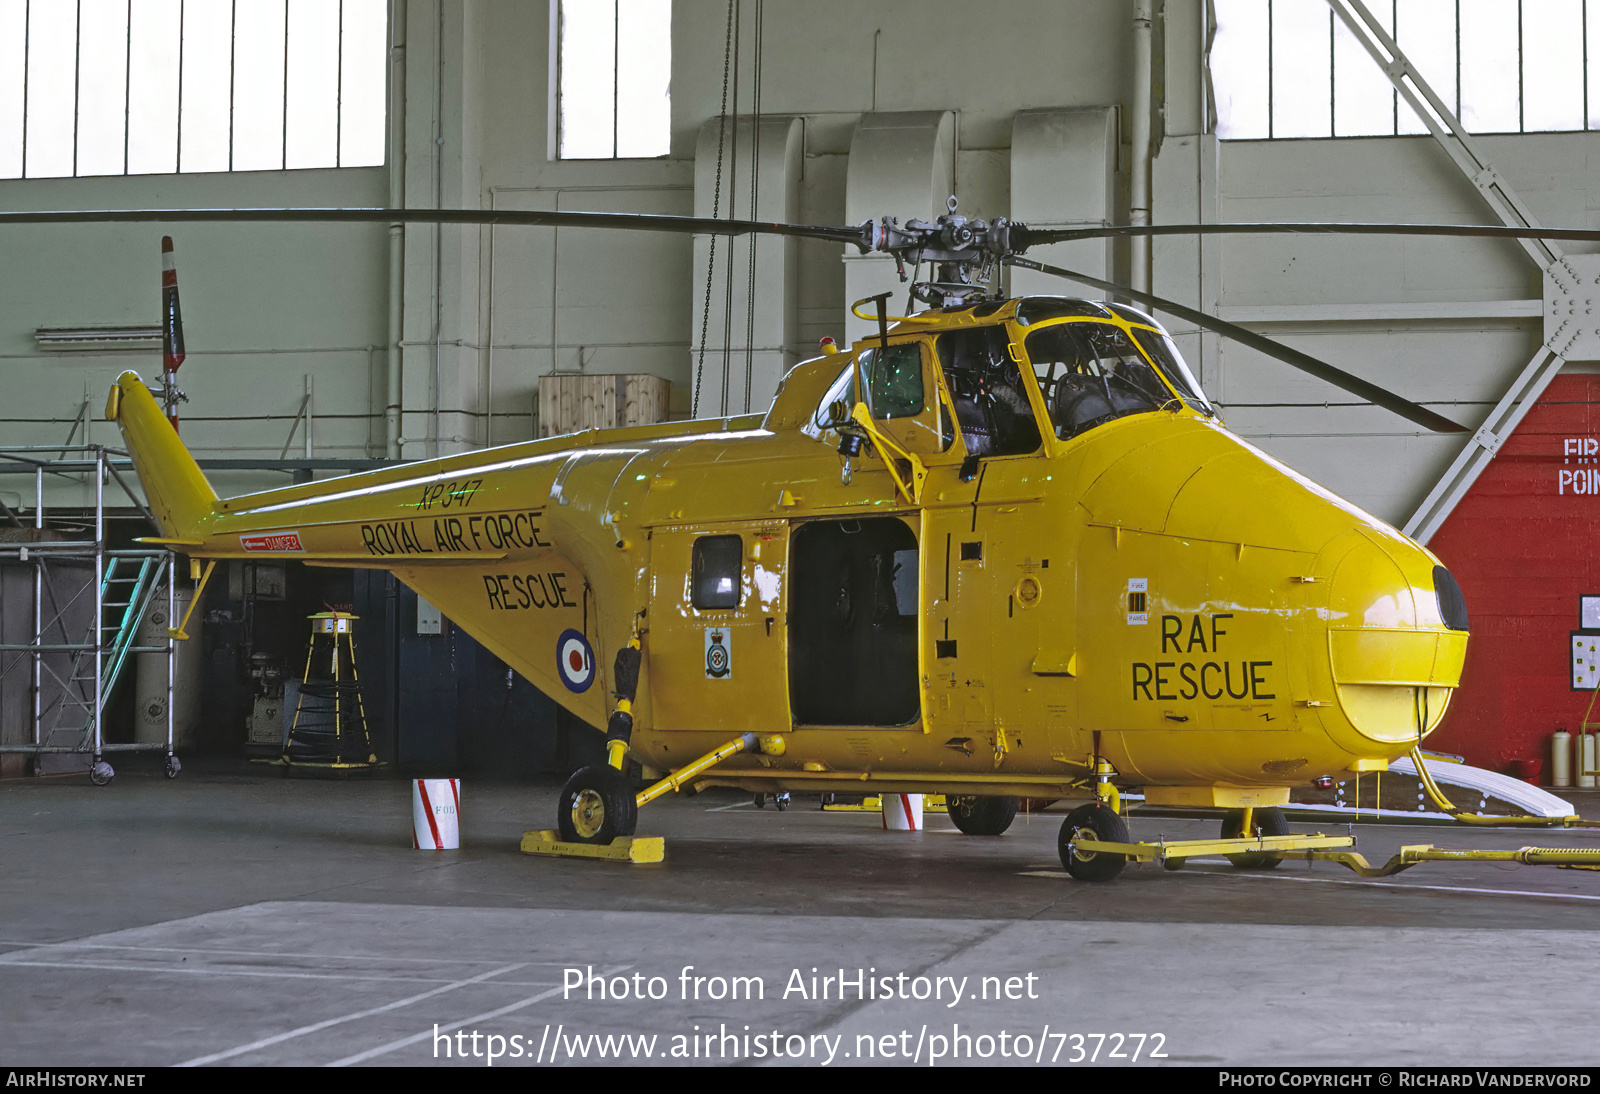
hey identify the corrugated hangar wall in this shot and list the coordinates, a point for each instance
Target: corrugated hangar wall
(486, 312)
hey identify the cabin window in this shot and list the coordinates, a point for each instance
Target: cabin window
(716, 566)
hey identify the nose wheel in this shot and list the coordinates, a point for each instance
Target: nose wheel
(1095, 821)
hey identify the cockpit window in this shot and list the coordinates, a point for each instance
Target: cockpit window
(1036, 309)
(986, 387)
(1090, 374)
(841, 390)
(1161, 349)
(895, 377)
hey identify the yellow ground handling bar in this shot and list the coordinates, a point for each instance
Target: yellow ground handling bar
(1173, 853)
(1321, 848)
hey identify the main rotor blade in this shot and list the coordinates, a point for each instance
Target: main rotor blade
(1022, 237)
(647, 222)
(1303, 361)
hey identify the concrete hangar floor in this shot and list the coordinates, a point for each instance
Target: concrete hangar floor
(233, 917)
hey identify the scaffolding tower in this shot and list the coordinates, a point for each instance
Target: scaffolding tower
(82, 639)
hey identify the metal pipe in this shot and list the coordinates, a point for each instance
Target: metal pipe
(488, 350)
(154, 746)
(172, 644)
(394, 369)
(38, 607)
(99, 598)
(435, 380)
(1139, 138)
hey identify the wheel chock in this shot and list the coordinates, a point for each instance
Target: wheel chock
(636, 849)
(872, 803)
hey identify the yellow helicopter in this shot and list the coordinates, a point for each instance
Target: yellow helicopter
(998, 549)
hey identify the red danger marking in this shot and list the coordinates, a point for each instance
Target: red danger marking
(279, 541)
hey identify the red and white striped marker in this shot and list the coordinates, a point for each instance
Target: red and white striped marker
(902, 812)
(436, 814)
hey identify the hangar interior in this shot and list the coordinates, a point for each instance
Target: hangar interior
(317, 349)
(313, 350)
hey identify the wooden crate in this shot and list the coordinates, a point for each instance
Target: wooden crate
(570, 402)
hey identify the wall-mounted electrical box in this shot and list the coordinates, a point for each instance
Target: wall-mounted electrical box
(430, 620)
(1586, 659)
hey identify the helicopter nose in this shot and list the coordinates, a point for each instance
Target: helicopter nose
(1379, 624)
(1396, 632)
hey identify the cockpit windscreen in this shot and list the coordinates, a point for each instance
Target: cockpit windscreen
(1090, 374)
(1160, 348)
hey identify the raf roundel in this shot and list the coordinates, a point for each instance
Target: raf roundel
(575, 660)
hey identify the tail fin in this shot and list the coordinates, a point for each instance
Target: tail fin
(179, 495)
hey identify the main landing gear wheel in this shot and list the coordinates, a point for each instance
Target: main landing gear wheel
(1098, 821)
(597, 806)
(981, 816)
(1264, 822)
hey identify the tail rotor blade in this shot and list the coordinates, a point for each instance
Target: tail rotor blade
(172, 351)
(1339, 378)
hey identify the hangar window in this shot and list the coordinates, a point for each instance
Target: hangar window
(717, 565)
(1289, 68)
(614, 69)
(138, 87)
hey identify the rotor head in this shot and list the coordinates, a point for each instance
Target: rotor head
(962, 254)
